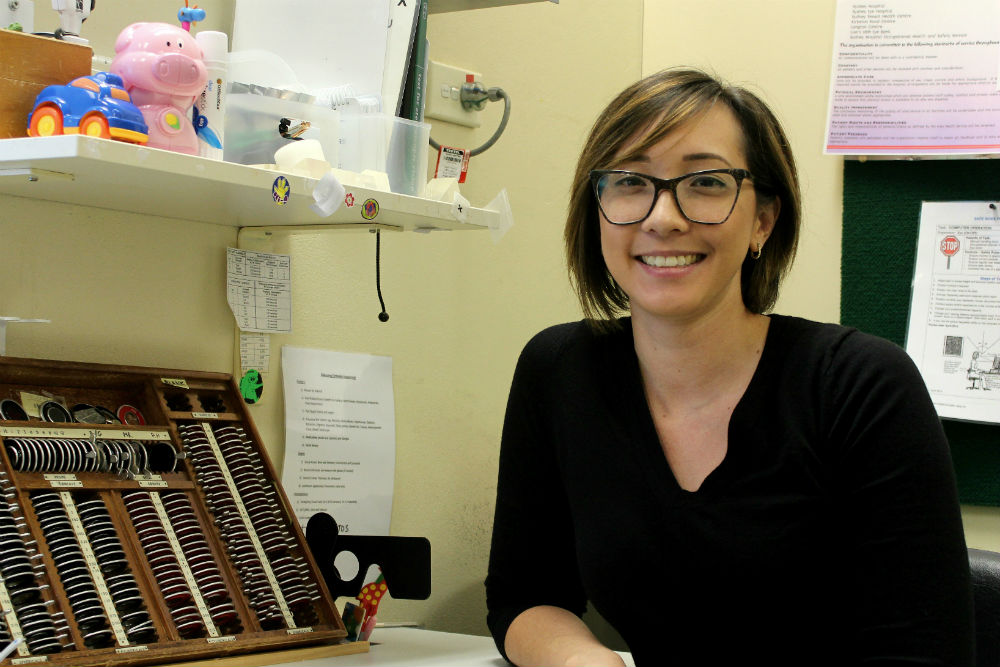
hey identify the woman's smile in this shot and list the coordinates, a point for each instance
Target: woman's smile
(670, 260)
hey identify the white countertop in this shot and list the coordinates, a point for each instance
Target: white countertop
(411, 647)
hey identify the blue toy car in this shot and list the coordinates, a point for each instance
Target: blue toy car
(96, 105)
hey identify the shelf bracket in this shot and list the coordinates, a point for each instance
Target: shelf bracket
(268, 229)
(32, 175)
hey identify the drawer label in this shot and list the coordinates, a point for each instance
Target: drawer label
(132, 649)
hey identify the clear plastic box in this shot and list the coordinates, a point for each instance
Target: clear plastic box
(257, 116)
(261, 120)
(388, 144)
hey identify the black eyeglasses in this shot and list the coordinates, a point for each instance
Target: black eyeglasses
(707, 197)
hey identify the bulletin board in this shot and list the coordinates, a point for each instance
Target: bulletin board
(881, 219)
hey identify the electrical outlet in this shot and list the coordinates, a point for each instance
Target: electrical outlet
(443, 97)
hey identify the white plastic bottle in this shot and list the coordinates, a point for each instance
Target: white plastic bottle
(210, 107)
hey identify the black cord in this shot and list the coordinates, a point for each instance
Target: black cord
(383, 316)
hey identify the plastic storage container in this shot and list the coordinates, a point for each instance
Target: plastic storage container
(261, 120)
(388, 144)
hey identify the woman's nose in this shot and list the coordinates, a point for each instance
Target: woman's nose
(666, 215)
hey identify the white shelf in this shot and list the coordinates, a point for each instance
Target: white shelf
(441, 6)
(101, 173)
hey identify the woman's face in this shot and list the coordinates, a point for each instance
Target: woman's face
(678, 270)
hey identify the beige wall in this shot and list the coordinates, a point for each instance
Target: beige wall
(139, 290)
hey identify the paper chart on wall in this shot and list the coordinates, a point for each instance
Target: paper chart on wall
(255, 352)
(340, 437)
(953, 333)
(259, 290)
(909, 78)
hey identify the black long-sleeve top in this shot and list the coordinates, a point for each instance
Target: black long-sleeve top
(829, 534)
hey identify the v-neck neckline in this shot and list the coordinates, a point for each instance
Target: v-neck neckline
(645, 439)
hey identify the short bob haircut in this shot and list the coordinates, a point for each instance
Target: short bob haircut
(645, 113)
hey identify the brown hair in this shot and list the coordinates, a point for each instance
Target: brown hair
(650, 109)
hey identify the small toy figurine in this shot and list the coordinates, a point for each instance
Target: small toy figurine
(189, 15)
(95, 105)
(163, 69)
(72, 14)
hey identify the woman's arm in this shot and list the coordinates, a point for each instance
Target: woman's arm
(906, 552)
(534, 595)
(550, 636)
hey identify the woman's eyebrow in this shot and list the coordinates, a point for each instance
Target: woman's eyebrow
(690, 157)
(695, 157)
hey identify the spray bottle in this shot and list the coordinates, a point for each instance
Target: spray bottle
(210, 107)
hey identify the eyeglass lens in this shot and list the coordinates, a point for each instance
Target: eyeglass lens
(627, 197)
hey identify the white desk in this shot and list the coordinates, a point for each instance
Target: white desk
(403, 647)
(406, 647)
(414, 647)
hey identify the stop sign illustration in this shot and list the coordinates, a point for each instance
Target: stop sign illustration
(949, 247)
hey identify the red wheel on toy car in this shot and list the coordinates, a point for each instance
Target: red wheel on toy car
(95, 125)
(45, 122)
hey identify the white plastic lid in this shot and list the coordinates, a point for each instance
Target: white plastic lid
(214, 44)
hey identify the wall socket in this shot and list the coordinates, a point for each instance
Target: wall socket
(442, 99)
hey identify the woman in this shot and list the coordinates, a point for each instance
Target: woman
(724, 486)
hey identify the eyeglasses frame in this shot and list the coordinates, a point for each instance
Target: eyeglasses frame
(661, 184)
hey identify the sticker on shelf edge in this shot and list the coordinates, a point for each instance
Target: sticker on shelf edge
(369, 209)
(280, 190)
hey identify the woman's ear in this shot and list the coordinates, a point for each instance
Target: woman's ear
(767, 215)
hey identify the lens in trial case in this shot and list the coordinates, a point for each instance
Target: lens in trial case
(142, 634)
(163, 457)
(54, 411)
(97, 639)
(86, 414)
(12, 410)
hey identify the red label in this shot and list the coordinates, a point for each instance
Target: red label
(452, 163)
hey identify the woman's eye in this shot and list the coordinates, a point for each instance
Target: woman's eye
(707, 182)
(710, 182)
(630, 181)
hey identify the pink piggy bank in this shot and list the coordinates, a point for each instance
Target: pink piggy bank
(163, 71)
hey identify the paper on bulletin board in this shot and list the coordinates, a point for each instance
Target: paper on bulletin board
(259, 290)
(910, 78)
(340, 437)
(954, 328)
(327, 43)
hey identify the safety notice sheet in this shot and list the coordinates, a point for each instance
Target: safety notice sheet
(954, 329)
(340, 437)
(915, 77)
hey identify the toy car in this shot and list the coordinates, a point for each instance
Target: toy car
(96, 105)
